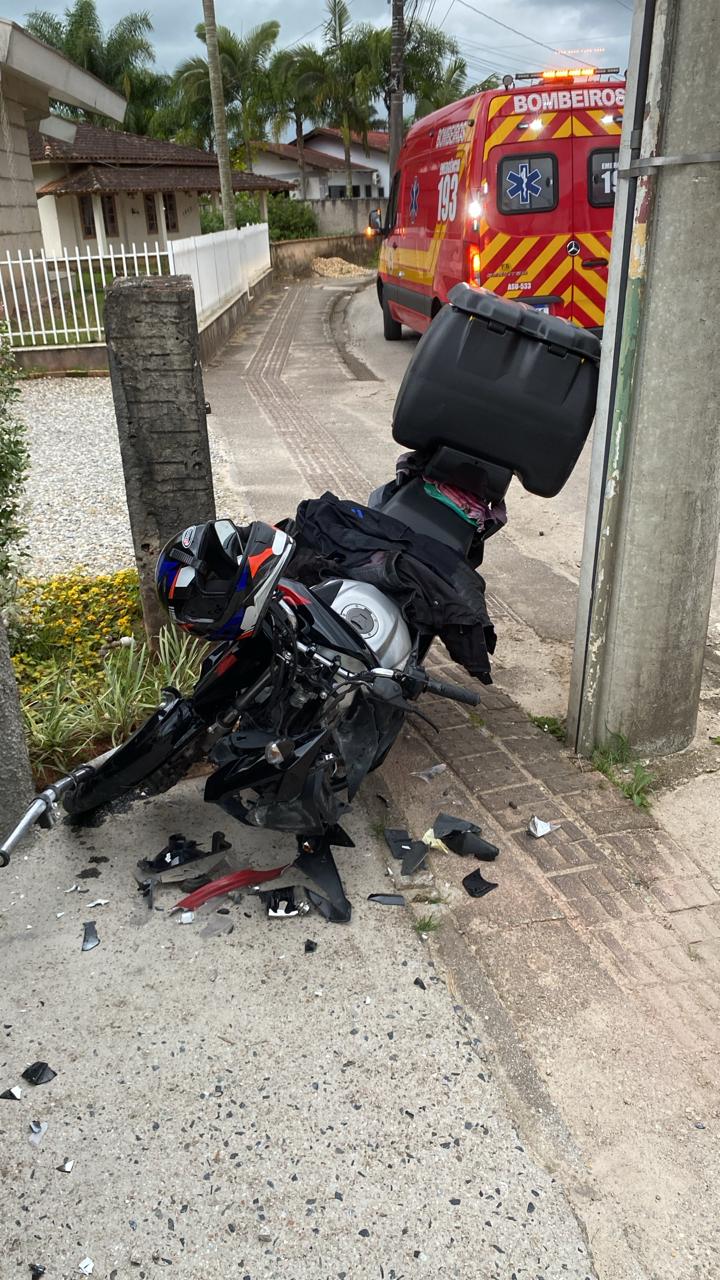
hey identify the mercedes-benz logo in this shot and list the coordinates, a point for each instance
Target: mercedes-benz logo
(573, 248)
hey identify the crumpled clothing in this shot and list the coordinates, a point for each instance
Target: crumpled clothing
(434, 586)
(467, 505)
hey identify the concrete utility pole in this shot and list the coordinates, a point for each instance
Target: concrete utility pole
(397, 61)
(16, 786)
(653, 517)
(154, 358)
(219, 119)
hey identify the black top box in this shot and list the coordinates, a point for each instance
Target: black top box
(502, 382)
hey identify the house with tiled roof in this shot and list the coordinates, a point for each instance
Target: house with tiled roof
(111, 190)
(324, 172)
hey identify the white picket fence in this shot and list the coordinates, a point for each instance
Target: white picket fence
(59, 300)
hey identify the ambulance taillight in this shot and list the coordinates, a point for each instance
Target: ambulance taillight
(474, 264)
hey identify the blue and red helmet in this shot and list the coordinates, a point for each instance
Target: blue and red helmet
(216, 579)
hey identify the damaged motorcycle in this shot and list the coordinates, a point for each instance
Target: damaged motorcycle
(320, 625)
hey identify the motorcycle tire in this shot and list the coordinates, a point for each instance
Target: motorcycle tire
(154, 759)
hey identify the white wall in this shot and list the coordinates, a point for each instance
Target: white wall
(20, 228)
(62, 225)
(373, 158)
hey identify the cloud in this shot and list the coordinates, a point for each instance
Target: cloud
(601, 25)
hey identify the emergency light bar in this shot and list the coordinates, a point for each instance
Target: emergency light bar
(567, 73)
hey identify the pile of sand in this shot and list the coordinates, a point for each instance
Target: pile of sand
(336, 267)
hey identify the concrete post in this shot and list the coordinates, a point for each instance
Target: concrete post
(262, 200)
(153, 353)
(651, 553)
(16, 786)
(101, 238)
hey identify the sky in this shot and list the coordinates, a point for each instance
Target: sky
(594, 32)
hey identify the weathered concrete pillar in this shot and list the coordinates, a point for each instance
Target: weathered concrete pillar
(15, 778)
(154, 360)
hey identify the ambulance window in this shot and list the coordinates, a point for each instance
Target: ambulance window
(391, 216)
(527, 183)
(602, 177)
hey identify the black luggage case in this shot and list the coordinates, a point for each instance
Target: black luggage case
(503, 383)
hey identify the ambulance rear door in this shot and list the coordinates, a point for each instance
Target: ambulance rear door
(596, 140)
(527, 216)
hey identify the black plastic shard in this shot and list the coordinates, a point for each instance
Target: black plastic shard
(387, 899)
(90, 938)
(36, 1270)
(414, 857)
(12, 1095)
(315, 860)
(398, 841)
(179, 851)
(39, 1073)
(310, 946)
(280, 903)
(464, 838)
(476, 885)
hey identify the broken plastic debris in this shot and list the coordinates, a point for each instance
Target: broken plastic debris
(39, 1073)
(218, 926)
(476, 885)
(310, 946)
(59, 914)
(38, 1129)
(179, 852)
(427, 775)
(90, 938)
(36, 1270)
(387, 899)
(281, 904)
(419, 983)
(187, 917)
(99, 902)
(86, 1266)
(398, 841)
(66, 1166)
(463, 837)
(539, 827)
(13, 1094)
(217, 888)
(414, 858)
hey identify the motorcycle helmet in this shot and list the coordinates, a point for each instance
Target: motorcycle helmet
(216, 579)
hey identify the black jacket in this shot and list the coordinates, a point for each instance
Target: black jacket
(434, 586)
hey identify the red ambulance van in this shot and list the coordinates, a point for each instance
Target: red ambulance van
(512, 189)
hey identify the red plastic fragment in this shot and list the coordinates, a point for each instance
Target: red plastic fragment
(237, 880)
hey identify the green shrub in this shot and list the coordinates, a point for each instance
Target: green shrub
(81, 690)
(287, 219)
(14, 463)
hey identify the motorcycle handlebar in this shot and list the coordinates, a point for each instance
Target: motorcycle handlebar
(452, 691)
(41, 807)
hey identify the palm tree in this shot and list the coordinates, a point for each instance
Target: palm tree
(292, 73)
(344, 83)
(441, 90)
(243, 62)
(219, 118)
(121, 57)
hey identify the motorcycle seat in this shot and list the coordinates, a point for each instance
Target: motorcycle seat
(411, 505)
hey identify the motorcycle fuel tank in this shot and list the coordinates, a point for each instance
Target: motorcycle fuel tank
(375, 618)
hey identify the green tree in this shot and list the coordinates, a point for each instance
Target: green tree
(441, 90)
(244, 66)
(344, 82)
(292, 75)
(121, 57)
(490, 82)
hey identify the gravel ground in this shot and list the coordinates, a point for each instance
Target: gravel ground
(76, 511)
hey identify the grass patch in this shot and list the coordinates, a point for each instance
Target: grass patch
(552, 725)
(430, 898)
(476, 720)
(618, 762)
(378, 828)
(716, 741)
(427, 924)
